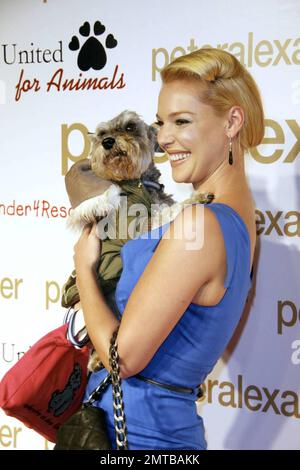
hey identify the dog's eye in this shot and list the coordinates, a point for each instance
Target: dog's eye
(130, 127)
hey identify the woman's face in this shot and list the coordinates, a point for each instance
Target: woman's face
(190, 132)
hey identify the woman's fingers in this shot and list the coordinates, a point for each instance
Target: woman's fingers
(86, 229)
(94, 230)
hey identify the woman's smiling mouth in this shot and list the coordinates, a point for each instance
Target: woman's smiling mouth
(177, 158)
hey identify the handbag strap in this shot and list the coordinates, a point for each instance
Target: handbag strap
(95, 395)
(70, 318)
(118, 403)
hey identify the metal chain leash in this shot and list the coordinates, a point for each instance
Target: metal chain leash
(95, 395)
(118, 403)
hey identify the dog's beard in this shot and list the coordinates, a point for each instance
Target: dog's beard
(121, 162)
(115, 154)
(119, 168)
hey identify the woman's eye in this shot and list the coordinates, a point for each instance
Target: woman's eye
(181, 121)
(158, 123)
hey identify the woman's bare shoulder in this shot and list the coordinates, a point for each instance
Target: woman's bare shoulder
(245, 208)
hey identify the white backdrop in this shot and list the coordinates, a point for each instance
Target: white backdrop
(252, 397)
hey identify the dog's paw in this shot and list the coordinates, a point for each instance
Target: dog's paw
(94, 364)
(92, 54)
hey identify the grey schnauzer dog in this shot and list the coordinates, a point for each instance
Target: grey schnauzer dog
(123, 149)
(121, 158)
(121, 163)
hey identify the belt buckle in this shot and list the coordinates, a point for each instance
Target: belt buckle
(199, 392)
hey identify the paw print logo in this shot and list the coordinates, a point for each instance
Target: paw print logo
(92, 54)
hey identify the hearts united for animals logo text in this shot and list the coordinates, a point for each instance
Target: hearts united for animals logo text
(93, 48)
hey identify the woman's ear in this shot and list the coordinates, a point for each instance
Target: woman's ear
(235, 120)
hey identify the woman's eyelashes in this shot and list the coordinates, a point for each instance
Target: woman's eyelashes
(178, 122)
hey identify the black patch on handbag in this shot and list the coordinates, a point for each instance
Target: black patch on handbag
(85, 430)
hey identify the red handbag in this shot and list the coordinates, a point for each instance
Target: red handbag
(46, 386)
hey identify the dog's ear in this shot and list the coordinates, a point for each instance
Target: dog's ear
(152, 133)
(91, 136)
(152, 136)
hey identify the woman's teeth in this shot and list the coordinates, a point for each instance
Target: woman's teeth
(179, 156)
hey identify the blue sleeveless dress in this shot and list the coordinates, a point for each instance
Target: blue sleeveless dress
(158, 418)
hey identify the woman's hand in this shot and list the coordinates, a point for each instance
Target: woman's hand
(87, 250)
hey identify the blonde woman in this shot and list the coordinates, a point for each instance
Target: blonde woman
(181, 297)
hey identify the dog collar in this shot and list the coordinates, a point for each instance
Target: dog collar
(153, 184)
(137, 191)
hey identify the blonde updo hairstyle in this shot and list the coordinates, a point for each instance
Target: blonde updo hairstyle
(224, 83)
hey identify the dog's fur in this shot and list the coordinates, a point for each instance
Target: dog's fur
(123, 149)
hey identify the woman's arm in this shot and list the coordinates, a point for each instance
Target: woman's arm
(99, 319)
(167, 286)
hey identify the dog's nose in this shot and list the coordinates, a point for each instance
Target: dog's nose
(108, 143)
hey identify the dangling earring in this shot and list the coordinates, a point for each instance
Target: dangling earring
(230, 159)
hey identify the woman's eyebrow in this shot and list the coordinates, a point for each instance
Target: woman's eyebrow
(177, 112)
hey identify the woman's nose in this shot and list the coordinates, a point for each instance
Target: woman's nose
(164, 138)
